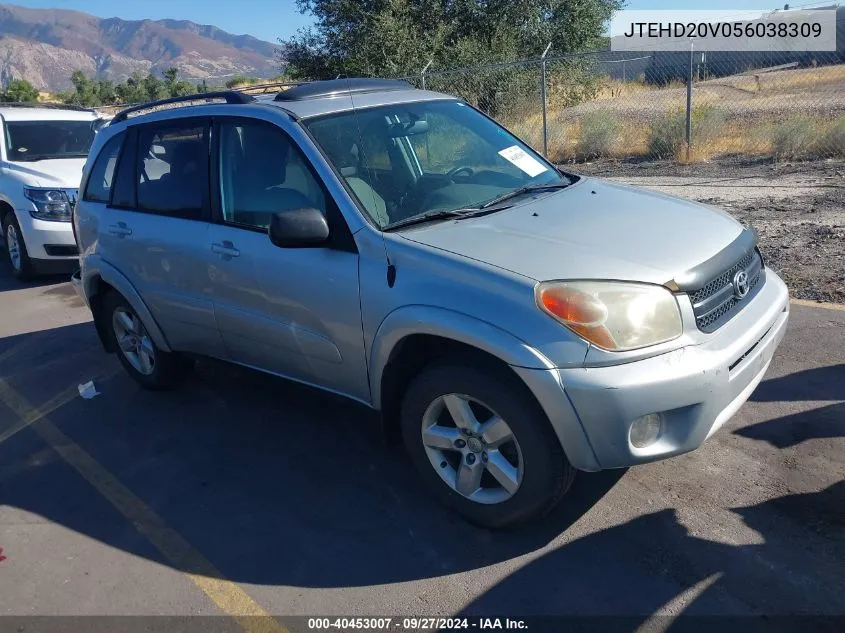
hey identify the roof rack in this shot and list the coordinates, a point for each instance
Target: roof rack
(229, 96)
(48, 106)
(340, 87)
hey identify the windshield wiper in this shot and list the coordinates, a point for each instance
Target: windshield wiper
(430, 216)
(549, 186)
(29, 158)
(474, 212)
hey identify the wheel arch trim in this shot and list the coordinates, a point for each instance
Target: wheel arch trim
(99, 269)
(449, 324)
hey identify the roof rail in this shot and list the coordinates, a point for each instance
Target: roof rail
(229, 96)
(48, 106)
(339, 87)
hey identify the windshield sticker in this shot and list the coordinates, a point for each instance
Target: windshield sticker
(524, 161)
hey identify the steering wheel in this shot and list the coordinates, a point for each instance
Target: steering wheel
(457, 170)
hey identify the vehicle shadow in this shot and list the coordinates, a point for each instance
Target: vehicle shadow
(275, 483)
(818, 384)
(654, 564)
(8, 282)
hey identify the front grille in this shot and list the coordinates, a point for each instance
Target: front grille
(716, 302)
(60, 250)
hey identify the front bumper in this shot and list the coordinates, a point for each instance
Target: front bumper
(76, 282)
(43, 235)
(696, 388)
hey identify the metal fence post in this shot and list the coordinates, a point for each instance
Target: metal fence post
(422, 72)
(543, 97)
(689, 100)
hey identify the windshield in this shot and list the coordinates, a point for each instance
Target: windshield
(40, 140)
(410, 159)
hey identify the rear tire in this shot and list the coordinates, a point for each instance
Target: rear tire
(149, 366)
(535, 472)
(16, 252)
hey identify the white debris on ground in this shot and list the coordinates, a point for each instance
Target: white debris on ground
(88, 390)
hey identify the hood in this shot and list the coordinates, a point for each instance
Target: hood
(591, 230)
(63, 173)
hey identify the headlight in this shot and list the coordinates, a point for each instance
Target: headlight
(613, 315)
(49, 204)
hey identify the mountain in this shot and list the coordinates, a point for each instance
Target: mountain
(44, 46)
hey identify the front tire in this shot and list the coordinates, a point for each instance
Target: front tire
(16, 252)
(483, 445)
(149, 366)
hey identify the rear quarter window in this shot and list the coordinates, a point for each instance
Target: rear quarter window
(100, 181)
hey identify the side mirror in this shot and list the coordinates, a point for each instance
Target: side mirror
(298, 228)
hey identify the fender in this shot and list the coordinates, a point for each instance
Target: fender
(116, 279)
(460, 327)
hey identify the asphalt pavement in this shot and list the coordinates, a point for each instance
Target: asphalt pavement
(241, 494)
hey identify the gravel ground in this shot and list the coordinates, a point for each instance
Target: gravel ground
(797, 208)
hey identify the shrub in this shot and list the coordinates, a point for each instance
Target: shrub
(599, 134)
(832, 142)
(794, 138)
(668, 135)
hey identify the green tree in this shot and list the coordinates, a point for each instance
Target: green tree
(132, 90)
(397, 37)
(173, 86)
(19, 91)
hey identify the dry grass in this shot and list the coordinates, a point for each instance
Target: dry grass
(743, 114)
(615, 88)
(785, 80)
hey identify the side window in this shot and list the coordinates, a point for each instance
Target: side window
(102, 173)
(172, 169)
(262, 171)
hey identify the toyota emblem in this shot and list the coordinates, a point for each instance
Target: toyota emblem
(741, 286)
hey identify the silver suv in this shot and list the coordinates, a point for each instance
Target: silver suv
(513, 322)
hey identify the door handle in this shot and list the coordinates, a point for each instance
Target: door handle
(120, 229)
(226, 250)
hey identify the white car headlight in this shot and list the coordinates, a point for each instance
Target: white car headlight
(613, 315)
(50, 204)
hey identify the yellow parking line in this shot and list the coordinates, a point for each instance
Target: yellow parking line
(17, 348)
(817, 304)
(227, 595)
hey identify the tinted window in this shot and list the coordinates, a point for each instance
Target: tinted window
(123, 191)
(102, 174)
(172, 169)
(262, 172)
(40, 140)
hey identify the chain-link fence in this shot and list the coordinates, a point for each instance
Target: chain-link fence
(677, 106)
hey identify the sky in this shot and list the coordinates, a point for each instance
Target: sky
(271, 19)
(264, 19)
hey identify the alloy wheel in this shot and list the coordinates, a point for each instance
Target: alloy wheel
(472, 449)
(14, 247)
(134, 341)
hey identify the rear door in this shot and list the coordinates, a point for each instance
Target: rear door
(154, 230)
(295, 312)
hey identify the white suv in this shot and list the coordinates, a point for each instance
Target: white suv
(42, 152)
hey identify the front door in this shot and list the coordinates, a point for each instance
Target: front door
(294, 312)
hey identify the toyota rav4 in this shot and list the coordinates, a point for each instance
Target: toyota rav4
(513, 322)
